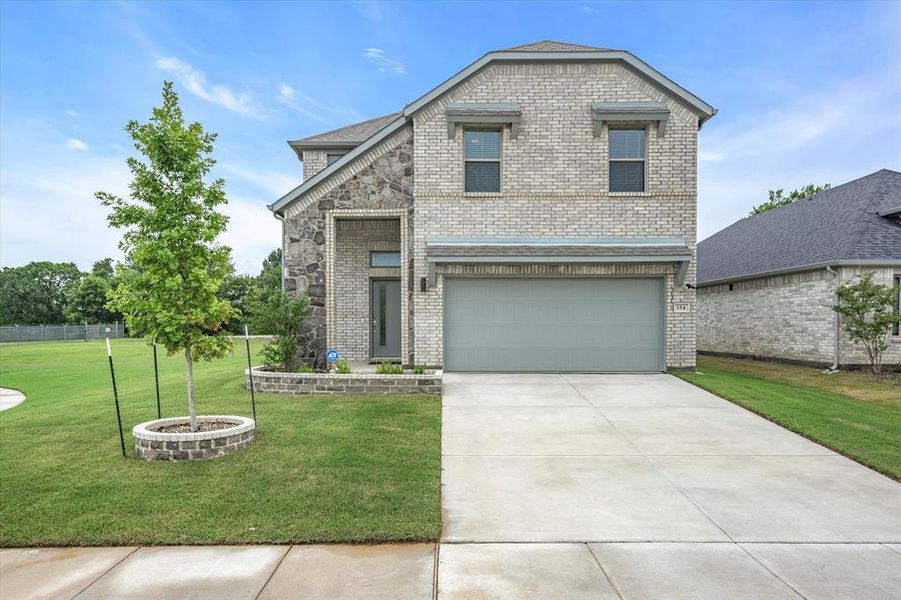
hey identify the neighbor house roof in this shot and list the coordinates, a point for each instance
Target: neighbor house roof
(543, 51)
(852, 223)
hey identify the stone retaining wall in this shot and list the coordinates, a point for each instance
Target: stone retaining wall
(328, 383)
(155, 445)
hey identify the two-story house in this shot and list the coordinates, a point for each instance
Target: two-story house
(534, 212)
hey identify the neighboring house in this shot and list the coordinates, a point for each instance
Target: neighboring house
(767, 283)
(534, 212)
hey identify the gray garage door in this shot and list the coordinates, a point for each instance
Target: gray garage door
(582, 325)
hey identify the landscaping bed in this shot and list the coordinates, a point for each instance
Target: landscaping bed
(266, 380)
(853, 413)
(339, 468)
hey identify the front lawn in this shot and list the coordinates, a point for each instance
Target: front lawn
(853, 413)
(324, 468)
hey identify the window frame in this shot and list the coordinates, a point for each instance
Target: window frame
(499, 160)
(372, 253)
(896, 283)
(644, 160)
(337, 156)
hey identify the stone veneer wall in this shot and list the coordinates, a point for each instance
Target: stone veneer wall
(785, 317)
(553, 180)
(383, 178)
(328, 383)
(354, 240)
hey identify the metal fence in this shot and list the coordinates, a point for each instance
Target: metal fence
(42, 333)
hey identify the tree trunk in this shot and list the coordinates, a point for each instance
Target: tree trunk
(192, 409)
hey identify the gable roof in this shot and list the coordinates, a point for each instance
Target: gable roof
(844, 224)
(344, 137)
(543, 51)
(552, 46)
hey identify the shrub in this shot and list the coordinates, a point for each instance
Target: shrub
(275, 312)
(342, 367)
(418, 370)
(305, 368)
(386, 368)
(868, 313)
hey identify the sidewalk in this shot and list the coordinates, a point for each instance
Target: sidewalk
(10, 398)
(219, 572)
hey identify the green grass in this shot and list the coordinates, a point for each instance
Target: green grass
(329, 468)
(863, 423)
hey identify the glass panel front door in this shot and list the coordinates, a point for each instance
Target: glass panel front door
(384, 305)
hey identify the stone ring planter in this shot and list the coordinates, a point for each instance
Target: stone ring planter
(151, 444)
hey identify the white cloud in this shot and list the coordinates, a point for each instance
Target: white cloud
(312, 108)
(832, 134)
(710, 156)
(285, 92)
(383, 63)
(274, 183)
(76, 144)
(77, 230)
(72, 112)
(195, 81)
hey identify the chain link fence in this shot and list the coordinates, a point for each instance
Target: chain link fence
(45, 333)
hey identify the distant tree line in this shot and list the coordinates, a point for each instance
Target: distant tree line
(48, 293)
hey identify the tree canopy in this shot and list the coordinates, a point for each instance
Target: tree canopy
(778, 197)
(169, 290)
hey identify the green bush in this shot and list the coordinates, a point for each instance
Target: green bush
(342, 367)
(418, 370)
(305, 368)
(386, 368)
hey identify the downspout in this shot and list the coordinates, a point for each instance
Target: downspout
(836, 321)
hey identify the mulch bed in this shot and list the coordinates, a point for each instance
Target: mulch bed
(201, 426)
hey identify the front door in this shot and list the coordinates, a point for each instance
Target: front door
(384, 304)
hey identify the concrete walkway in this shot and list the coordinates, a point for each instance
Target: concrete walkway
(644, 486)
(10, 398)
(582, 486)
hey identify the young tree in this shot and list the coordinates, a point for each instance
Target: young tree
(169, 290)
(778, 197)
(868, 313)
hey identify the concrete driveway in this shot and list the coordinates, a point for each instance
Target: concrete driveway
(645, 486)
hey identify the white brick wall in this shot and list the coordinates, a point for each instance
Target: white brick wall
(786, 317)
(554, 179)
(355, 239)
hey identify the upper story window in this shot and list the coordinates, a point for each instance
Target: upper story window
(330, 157)
(628, 154)
(482, 160)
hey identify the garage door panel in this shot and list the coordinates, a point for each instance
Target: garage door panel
(599, 324)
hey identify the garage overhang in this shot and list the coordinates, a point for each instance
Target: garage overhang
(483, 114)
(459, 250)
(631, 112)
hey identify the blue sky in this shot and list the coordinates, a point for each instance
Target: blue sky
(807, 92)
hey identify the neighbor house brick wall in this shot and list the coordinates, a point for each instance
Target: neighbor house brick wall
(786, 317)
(354, 240)
(553, 180)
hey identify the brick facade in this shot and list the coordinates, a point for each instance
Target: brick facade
(785, 317)
(553, 177)
(554, 181)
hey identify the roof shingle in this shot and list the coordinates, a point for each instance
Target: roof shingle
(841, 223)
(552, 46)
(352, 134)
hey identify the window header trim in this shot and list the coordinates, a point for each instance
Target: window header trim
(619, 112)
(483, 114)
